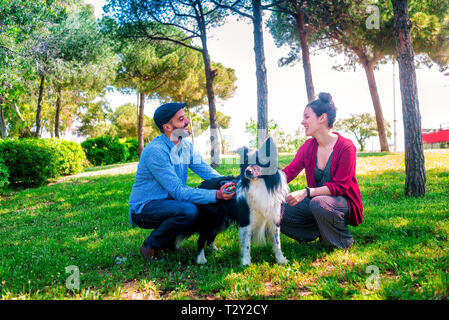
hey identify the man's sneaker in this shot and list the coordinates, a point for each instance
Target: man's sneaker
(150, 254)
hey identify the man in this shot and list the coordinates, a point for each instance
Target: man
(160, 198)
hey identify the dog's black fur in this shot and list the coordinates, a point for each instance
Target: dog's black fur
(216, 217)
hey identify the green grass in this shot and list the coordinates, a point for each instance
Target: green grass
(84, 222)
(373, 154)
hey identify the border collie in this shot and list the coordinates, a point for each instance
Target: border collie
(256, 208)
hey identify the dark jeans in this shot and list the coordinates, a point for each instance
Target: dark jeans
(168, 218)
(321, 216)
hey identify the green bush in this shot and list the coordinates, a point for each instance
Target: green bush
(4, 174)
(132, 144)
(105, 150)
(30, 162)
(70, 156)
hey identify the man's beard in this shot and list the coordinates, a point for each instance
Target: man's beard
(180, 132)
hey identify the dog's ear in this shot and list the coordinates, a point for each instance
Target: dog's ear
(267, 156)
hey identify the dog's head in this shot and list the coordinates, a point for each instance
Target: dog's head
(261, 163)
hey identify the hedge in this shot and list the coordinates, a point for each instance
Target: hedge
(107, 150)
(70, 156)
(32, 162)
(4, 174)
(133, 147)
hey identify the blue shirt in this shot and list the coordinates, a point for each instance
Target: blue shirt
(162, 174)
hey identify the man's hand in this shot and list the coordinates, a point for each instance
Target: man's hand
(296, 197)
(222, 195)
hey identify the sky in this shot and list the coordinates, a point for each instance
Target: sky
(232, 45)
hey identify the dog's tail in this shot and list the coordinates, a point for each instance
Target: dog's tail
(259, 235)
(262, 230)
(186, 234)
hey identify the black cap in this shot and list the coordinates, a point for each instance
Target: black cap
(165, 112)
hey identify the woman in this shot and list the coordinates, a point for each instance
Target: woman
(331, 199)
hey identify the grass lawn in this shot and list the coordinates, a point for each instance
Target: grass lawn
(401, 250)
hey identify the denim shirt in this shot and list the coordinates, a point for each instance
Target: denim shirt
(162, 174)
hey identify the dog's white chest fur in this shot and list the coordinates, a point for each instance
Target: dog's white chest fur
(265, 208)
(265, 213)
(259, 199)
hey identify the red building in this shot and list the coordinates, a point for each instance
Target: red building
(436, 139)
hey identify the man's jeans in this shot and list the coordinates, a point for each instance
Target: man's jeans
(168, 218)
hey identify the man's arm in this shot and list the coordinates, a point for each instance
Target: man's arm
(158, 162)
(201, 167)
(205, 171)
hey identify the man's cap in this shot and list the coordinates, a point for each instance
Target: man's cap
(165, 112)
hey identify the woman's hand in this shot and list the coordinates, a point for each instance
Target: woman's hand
(296, 197)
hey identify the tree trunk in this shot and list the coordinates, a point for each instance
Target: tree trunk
(304, 51)
(376, 104)
(362, 145)
(58, 111)
(37, 134)
(261, 75)
(214, 143)
(16, 109)
(191, 128)
(2, 123)
(140, 117)
(223, 144)
(2, 117)
(415, 181)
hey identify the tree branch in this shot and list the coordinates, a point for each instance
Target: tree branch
(177, 25)
(273, 4)
(166, 38)
(233, 9)
(334, 19)
(281, 10)
(176, 13)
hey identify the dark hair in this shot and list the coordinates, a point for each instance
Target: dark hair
(324, 104)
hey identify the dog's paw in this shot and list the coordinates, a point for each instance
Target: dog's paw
(201, 259)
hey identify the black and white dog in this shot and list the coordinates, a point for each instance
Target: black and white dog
(261, 189)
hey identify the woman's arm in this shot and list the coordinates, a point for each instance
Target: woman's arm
(344, 173)
(321, 191)
(296, 197)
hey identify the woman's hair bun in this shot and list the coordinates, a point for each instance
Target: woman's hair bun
(324, 104)
(325, 97)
